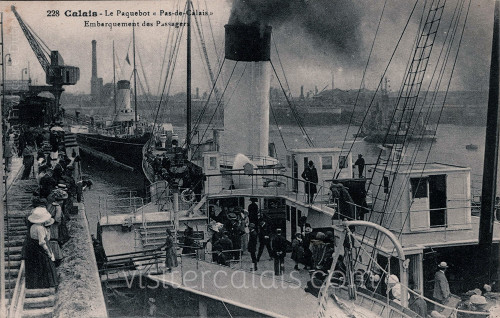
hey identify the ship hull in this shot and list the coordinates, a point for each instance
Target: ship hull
(125, 150)
(379, 138)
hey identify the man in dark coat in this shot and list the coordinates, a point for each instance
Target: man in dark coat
(253, 211)
(47, 181)
(264, 239)
(226, 245)
(310, 175)
(361, 165)
(441, 287)
(279, 249)
(28, 160)
(252, 245)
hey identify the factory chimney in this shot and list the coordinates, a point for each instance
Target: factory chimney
(95, 82)
(246, 113)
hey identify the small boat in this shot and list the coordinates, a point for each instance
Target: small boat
(471, 147)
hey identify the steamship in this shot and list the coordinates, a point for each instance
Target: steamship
(120, 140)
(419, 216)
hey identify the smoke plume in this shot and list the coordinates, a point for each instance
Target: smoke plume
(332, 25)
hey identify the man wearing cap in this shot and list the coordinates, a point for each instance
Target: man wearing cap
(264, 240)
(441, 285)
(310, 175)
(278, 246)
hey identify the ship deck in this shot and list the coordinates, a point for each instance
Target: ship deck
(260, 291)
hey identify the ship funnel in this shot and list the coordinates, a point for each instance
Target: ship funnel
(126, 112)
(246, 109)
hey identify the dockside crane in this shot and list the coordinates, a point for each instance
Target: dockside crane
(56, 73)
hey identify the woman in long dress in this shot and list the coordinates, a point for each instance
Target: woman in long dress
(170, 254)
(39, 259)
(58, 229)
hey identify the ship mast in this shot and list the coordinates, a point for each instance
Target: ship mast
(188, 81)
(114, 76)
(135, 77)
(488, 191)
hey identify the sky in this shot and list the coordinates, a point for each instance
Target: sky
(316, 40)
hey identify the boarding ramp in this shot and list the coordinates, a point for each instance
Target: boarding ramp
(263, 293)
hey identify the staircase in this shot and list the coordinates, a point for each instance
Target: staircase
(39, 303)
(14, 239)
(153, 234)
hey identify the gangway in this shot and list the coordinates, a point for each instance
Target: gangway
(268, 295)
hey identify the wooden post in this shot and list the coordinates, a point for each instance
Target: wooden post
(489, 186)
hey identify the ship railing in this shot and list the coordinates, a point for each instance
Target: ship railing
(227, 159)
(476, 202)
(109, 205)
(142, 261)
(386, 218)
(375, 301)
(161, 194)
(276, 184)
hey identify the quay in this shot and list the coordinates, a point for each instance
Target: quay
(79, 292)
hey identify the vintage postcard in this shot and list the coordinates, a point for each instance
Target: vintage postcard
(250, 158)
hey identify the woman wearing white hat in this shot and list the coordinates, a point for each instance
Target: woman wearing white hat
(394, 288)
(39, 259)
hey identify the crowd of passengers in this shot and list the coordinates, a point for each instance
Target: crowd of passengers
(45, 159)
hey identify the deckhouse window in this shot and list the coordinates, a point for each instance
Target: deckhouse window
(342, 162)
(213, 163)
(418, 187)
(326, 163)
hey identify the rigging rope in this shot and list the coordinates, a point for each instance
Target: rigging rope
(433, 99)
(360, 86)
(449, 81)
(386, 69)
(170, 66)
(409, 94)
(167, 43)
(205, 107)
(278, 126)
(299, 122)
(219, 103)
